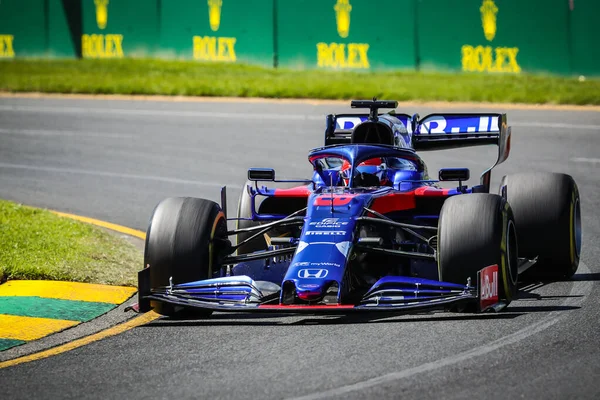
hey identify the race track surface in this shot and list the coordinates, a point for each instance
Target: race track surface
(114, 160)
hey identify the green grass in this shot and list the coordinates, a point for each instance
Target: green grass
(36, 244)
(149, 77)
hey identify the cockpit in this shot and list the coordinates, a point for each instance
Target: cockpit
(373, 172)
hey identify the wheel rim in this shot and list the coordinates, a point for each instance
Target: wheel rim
(512, 252)
(577, 228)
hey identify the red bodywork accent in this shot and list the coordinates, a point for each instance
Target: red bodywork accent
(394, 202)
(429, 191)
(300, 191)
(385, 204)
(305, 307)
(405, 201)
(338, 199)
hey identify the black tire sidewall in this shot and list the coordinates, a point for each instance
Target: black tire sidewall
(472, 235)
(544, 208)
(179, 243)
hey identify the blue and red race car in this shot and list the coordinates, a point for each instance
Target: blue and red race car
(370, 231)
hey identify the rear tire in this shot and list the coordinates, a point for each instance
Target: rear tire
(476, 231)
(547, 214)
(182, 243)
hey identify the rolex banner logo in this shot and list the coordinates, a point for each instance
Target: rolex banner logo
(101, 13)
(480, 58)
(488, 19)
(342, 17)
(214, 14)
(214, 48)
(102, 45)
(343, 55)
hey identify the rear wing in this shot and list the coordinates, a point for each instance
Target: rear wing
(449, 131)
(436, 132)
(339, 127)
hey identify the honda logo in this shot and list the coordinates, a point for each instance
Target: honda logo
(312, 273)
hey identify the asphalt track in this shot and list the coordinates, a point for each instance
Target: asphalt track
(114, 160)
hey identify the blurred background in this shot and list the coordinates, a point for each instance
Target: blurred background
(505, 36)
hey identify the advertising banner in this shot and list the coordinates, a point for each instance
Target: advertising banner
(119, 28)
(228, 31)
(498, 36)
(346, 34)
(22, 29)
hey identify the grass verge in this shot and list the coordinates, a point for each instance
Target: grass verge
(150, 77)
(36, 244)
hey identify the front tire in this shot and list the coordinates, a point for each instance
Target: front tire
(476, 231)
(184, 242)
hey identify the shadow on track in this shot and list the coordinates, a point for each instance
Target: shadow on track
(586, 277)
(259, 320)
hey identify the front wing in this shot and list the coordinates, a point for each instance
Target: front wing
(398, 295)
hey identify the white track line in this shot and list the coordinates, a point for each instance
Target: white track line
(45, 132)
(159, 113)
(586, 160)
(578, 293)
(109, 174)
(555, 125)
(234, 115)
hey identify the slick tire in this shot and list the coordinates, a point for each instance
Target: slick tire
(547, 214)
(244, 211)
(184, 240)
(476, 231)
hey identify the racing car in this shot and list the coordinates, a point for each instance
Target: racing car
(370, 230)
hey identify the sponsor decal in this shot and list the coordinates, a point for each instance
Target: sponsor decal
(325, 233)
(459, 124)
(214, 14)
(312, 273)
(108, 45)
(308, 286)
(301, 264)
(101, 13)
(342, 17)
(213, 48)
(325, 264)
(329, 223)
(488, 287)
(488, 19)
(487, 58)
(343, 55)
(102, 46)
(337, 199)
(210, 48)
(6, 46)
